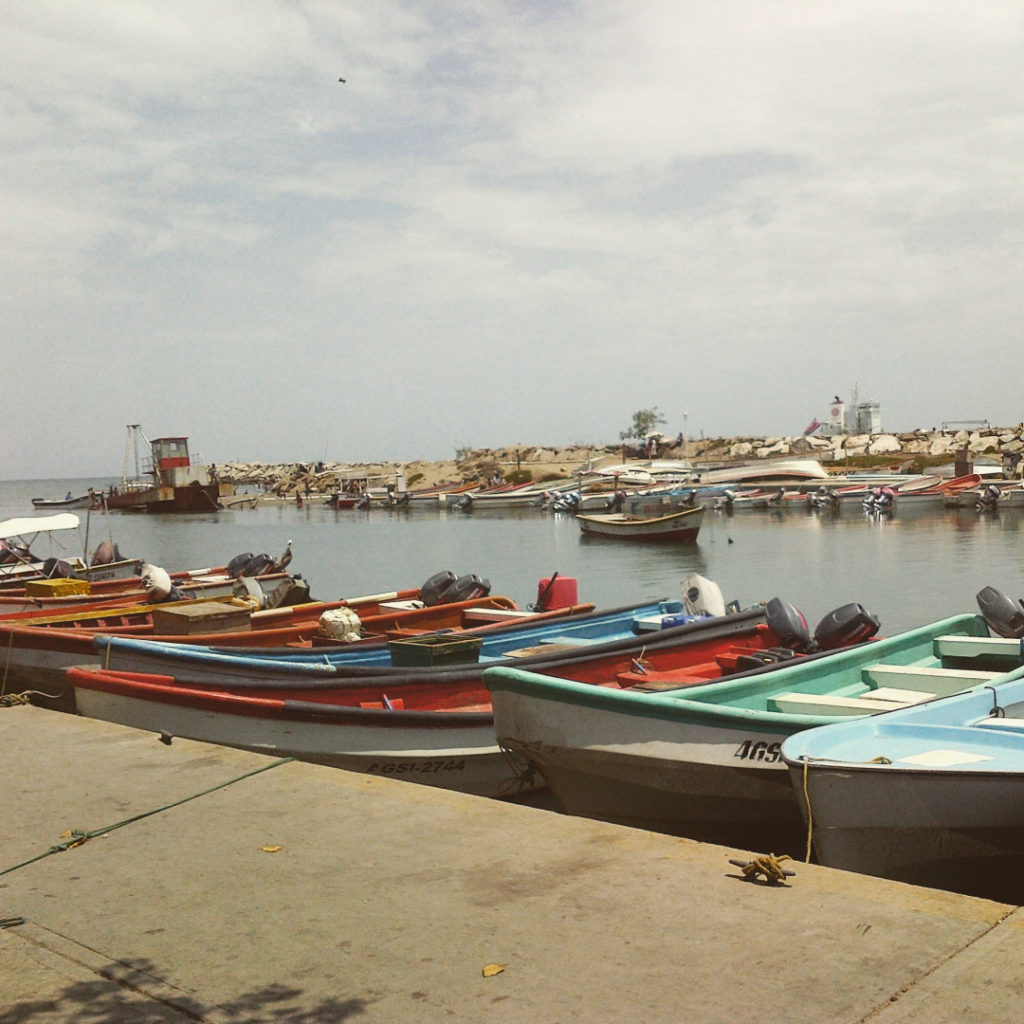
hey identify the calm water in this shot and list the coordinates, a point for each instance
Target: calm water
(908, 569)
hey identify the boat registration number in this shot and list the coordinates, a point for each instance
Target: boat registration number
(426, 767)
(759, 750)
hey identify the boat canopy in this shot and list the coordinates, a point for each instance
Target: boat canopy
(38, 524)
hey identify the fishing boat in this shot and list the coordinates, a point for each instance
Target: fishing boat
(38, 648)
(433, 727)
(69, 502)
(705, 761)
(683, 525)
(931, 794)
(169, 482)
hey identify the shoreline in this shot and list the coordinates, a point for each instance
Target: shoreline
(550, 463)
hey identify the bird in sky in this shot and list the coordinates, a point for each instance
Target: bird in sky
(341, 79)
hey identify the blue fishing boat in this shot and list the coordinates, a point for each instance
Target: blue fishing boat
(931, 794)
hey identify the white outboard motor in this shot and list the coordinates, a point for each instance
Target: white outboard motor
(702, 597)
(1005, 617)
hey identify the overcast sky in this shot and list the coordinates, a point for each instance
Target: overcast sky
(514, 222)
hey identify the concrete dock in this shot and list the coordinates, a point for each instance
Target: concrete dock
(224, 886)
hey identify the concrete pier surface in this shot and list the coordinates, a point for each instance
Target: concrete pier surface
(307, 894)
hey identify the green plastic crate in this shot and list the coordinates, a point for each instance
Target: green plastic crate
(434, 649)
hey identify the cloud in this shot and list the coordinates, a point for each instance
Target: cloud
(514, 222)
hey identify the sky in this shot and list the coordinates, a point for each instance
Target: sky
(512, 223)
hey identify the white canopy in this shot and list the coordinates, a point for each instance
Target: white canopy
(38, 524)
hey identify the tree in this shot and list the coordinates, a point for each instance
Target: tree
(644, 421)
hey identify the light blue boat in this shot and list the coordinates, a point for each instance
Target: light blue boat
(705, 761)
(930, 794)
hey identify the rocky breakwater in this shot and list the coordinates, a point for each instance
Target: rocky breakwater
(917, 450)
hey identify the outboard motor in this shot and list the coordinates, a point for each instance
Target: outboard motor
(788, 625)
(702, 596)
(258, 565)
(466, 588)
(105, 553)
(616, 502)
(432, 590)
(988, 500)
(57, 569)
(846, 625)
(1005, 617)
(237, 564)
(776, 498)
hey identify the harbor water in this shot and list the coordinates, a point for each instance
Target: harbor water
(907, 568)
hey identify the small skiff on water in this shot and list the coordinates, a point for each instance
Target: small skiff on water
(676, 526)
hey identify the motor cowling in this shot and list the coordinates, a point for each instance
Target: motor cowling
(466, 588)
(788, 625)
(434, 588)
(848, 624)
(1005, 617)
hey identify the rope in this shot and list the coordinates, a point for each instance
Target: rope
(77, 837)
(7, 661)
(768, 865)
(10, 700)
(810, 817)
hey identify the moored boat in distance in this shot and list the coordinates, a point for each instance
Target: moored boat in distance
(683, 525)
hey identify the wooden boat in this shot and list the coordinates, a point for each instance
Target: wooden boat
(37, 650)
(676, 526)
(705, 761)
(433, 727)
(930, 794)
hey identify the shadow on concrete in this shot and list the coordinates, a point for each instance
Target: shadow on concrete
(130, 1000)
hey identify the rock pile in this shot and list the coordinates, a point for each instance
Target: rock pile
(559, 463)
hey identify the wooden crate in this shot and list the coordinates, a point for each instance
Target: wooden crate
(207, 617)
(56, 588)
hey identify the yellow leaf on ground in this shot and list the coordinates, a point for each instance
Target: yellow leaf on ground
(490, 970)
(270, 849)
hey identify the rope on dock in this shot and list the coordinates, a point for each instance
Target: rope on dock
(10, 700)
(768, 865)
(77, 837)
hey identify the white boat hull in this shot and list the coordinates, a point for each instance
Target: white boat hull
(466, 759)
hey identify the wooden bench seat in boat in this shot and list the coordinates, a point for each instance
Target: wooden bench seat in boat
(546, 648)
(976, 647)
(829, 704)
(941, 682)
(1009, 724)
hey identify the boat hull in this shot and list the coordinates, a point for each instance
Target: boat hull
(459, 755)
(677, 526)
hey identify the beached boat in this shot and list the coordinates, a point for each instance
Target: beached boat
(930, 794)
(37, 649)
(705, 761)
(433, 727)
(683, 525)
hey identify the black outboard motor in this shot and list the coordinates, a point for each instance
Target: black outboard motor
(257, 565)
(466, 588)
(988, 500)
(57, 569)
(432, 591)
(237, 564)
(788, 625)
(849, 624)
(1005, 617)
